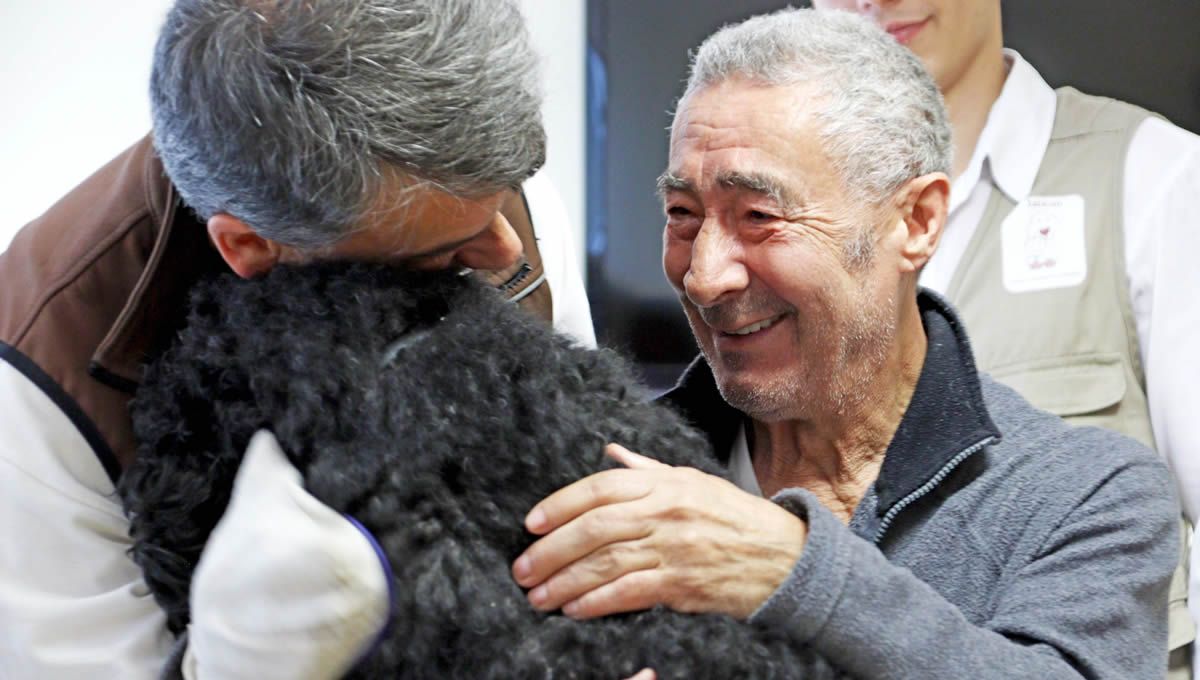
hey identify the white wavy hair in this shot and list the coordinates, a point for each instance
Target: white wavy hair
(882, 121)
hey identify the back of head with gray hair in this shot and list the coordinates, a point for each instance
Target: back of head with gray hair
(882, 120)
(291, 115)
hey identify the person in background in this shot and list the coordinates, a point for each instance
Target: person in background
(1068, 246)
(406, 131)
(925, 520)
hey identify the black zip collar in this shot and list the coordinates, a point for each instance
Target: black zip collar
(945, 422)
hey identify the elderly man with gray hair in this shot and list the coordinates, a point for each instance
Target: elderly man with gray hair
(405, 131)
(925, 521)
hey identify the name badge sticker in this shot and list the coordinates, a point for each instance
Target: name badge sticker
(1043, 244)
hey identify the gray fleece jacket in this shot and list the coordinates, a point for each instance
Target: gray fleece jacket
(997, 542)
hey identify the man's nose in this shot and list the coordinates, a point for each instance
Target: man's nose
(716, 270)
(872, 7)
(497, 247)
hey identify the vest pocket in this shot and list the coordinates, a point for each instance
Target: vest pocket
(1068, 386)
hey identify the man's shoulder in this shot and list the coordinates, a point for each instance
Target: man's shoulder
(108, 215)
(1059, 453)
(77, 290)
(1144, 133)
(1079, 113)
(1044, 477)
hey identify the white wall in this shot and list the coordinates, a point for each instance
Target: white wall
(74, 74)
(559, 32)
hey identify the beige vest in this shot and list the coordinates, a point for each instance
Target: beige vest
(1072, 351)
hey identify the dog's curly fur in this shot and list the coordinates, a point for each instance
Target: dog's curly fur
(436, 414)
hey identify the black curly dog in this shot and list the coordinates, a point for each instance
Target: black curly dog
(437, 414)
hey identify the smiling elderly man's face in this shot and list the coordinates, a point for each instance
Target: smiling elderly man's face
(789, 283)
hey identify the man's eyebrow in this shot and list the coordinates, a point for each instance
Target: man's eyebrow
(753, 182)
(668, 182)
(763, 184)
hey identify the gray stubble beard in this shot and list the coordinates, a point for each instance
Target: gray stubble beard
(861, 350)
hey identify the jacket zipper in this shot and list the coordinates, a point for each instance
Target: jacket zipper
(929, 485)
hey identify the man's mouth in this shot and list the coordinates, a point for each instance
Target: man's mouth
(756, 326)
(905, 31)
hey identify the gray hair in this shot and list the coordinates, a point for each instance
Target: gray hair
(293, 115)
(882, 121)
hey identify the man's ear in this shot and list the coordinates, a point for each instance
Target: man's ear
(246, 253)
(924, 206)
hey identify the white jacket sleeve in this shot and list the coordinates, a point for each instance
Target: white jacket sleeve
(72, 603)
(286, 587)
(1162, 232)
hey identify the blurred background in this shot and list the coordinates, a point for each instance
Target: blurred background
(73, 74)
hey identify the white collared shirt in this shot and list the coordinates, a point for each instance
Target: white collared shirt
(571, 310)
(1023, 117)
(1161, 205)
(741, 468)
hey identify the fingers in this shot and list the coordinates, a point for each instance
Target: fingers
(635, 591)
(589, 535)
(598, 569)
(629, 459)
(578, 539)
(644, 674)
(607, 539)
(594, 491)
(603, 488)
